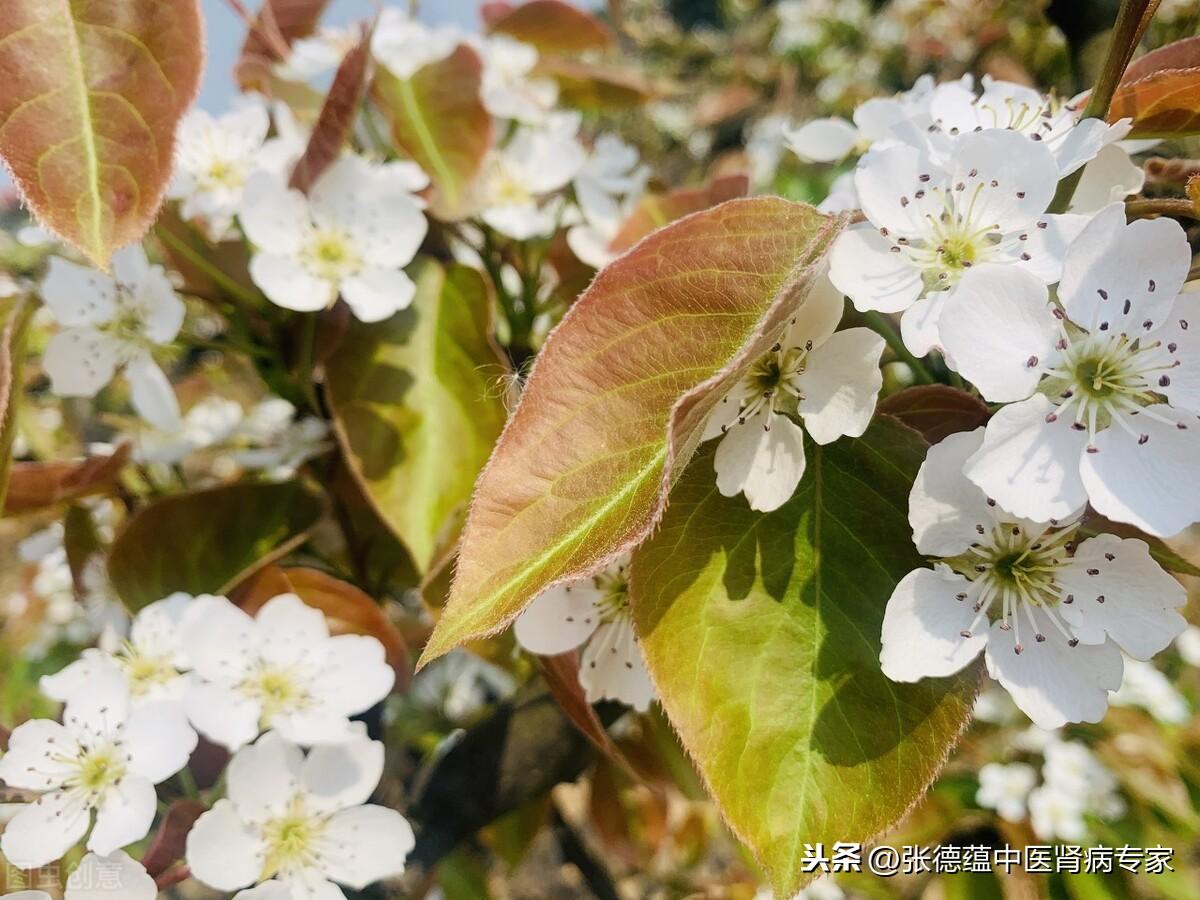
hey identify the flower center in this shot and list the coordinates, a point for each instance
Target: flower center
(773, 382)
(291, 840)
(98, 769)
(145, 671)
(614, 600)
(331, 255)
(278, 689)
(224, 174)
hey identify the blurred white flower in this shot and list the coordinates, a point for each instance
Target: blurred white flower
(1150, 689)
(280, 670)
(1188, 645)
(405, 45)
(459, 684)
(111, 322)
(351, 236)
(1005, 788)
(105, 758)
(299, 826)
(596, 611)
(1057, 814)
(997, 576)
(210, 421)
(272, 439)
(607, 188)
(994, 705)
(824, 380)
(510, 89)
(317, 54)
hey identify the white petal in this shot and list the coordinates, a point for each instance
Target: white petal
(923, 625)
(116, 876)
(1112, 265)
(158, 307)
(1110, 176)
(27, 766)
(130, 265)
(275, 218)
(612, 667)
(376, 294)
(888, 180)
(519, 221)
(1000, 330)
(44, 830)
(314, 725)
(589, 245)
(1028, 465)
(80, 361)
(1140, 599)
(864, 268)
(944, 508)
(762, 458)
(289, 284)
(338, 776)
(101, 711)
(1051, 682)
(356, 674)
(291, 632)
(1152, 485)
(818, 316)
(222, 851)
(158, 739)
(822, 140)
(919, 324)
(1046, 245)
(1081, 144)
(372, 844)
(1179, 347)
(223, 715)
(264, 777)
(385, 223)
(272, 889)
(840, 385)
(78, 295)
(558, 619)
(1014, 182)
(124, 815)
(152, 395)
(220, 639)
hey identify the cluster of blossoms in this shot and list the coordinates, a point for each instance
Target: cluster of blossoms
(1075, 786)
(199, 666)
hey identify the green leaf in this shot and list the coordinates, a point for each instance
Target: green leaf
(208, 541)
(439, 119)
(417, 407)
(617, 400)
(762, 635)
(88, 107)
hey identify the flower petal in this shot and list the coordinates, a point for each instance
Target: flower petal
(999, 328)
(1112, 175)
(919, 324)
(840, 385)
(923, 625)
(376, 294)
(152, 395)
(864, 268)
(28, 765)
(1028, 465)
(612, 666)
(223, 715)
(1013, 182)
(159, 740)
(116, 876)
(339, 776)
(822, 140)
(289, 284)
(559, 619)
(1045, 248)
(44, 830)
(274, 217)
(355, 675)
(944, 508)
(1179, 348)
(818, 316)
(77, 295)
(222, 851)
(124, 815)
(80, 361)
(762, 458)
(264, 777)
(372, 844)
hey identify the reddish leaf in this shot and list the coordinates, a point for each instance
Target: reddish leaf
(1184, 54)
(657, 210)
(492, 12)
(167, 845)
(439, 120)
(347, 609)
(617, 399)
(90, 98)
(596, 86)
(336, 120)
(553, 26)
(279, 22)
(38, 485)
(936, 410)
(1161, 92)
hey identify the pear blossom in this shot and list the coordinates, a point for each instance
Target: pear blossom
(593, 611)
(1111, 176)
(1057, 814)
(510, 89)
(105, 758)
(517, 178)
(110, 322)
(317, 54)
(213, 159)
(927, 226)
(406, 45)
(815, 380)
(273, 439)
(351, 236)
(151, 662)
(459, 685)
(280, 670)
(1188, 645)
(1050, 612)
(1150, 689)
(1106, 381)
(607, 187)
(115, 876)
(298, 826)
(1005, 788)
(210, 421)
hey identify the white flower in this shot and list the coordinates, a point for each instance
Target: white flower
(273, 440)
(1188, 645)
(1149, 688)
(110, 322)
(1057, 814)
(316, 54)
(105, 758)
(1047, 120)
(1112, 175)
(1108, 380)
(509, 89)
(115, 876)
(281, 671)
(210, 421)
(994, 705)
(536, 162)
(927, 226)
(607, 187)
(1005, 789)
(213, 159)
(151, 662)
(1073, 770)
(1050, 613)
(405, 45)
(352, 235)
(596, 611)
(299, 826)
(826, 380)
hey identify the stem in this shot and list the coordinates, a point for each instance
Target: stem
(1141, 209)
(306, 361)
(879, 323)
(198, 260)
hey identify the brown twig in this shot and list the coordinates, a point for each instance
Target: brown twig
(1142, 209)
